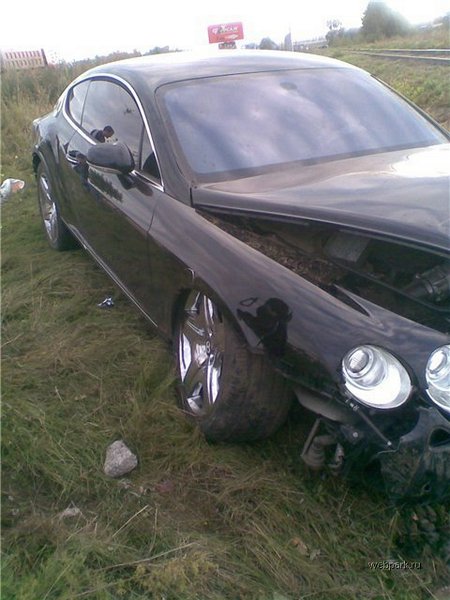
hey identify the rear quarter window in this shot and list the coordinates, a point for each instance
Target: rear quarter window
(75, 101)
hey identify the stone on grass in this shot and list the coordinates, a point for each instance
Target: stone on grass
(119, 460)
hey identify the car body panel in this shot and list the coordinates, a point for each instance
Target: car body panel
(113, 214)
(321, 350)
(161, 239)
(404, 194)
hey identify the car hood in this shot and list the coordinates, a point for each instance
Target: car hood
(401, 194)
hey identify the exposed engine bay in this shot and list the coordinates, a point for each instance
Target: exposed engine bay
(410, 281)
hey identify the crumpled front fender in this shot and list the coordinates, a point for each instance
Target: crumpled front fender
(420, 465)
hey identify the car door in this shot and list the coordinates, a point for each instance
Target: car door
(114, 212)
(69, 173)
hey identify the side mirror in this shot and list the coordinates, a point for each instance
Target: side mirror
(115, 158)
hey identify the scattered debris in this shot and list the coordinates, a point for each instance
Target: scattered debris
(126, 484)
(9, 187)
(424, 526)
(108, 302)
(119, 460)
(135, 490)
(70, 512)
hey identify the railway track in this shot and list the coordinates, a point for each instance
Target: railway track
(432, 56)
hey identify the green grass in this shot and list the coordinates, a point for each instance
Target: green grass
(428, 86)
(195, 520)
(431, 38)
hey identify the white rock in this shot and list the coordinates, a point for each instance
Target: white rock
(119, 460)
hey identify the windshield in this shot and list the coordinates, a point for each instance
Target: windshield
(230, 126)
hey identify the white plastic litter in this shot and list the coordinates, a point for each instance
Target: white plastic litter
(9, 187)
(107, 303)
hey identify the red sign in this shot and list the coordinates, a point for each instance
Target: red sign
(227, 32)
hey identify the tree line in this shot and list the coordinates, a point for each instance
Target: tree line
(378, 22)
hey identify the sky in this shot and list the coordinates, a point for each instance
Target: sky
(86, 28)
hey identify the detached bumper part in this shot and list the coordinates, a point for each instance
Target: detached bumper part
(420, 466)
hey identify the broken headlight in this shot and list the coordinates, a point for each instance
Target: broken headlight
(375, 377)
(438, 377)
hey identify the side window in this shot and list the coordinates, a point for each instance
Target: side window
(75, 101)
(111, 114)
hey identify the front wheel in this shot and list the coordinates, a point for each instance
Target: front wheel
(232, 394)
(58, 236)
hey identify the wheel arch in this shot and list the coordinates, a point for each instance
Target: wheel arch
(249, 399)
(60, 238)
(43, 155)
(37, 158)
(226, 309)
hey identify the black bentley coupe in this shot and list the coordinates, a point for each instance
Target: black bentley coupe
(284, 219)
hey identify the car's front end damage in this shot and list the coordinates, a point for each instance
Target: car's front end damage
(419, 465)
(369, 354)
(383, 414)
(409, 448)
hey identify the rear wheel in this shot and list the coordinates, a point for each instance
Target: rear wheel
(231, 393)
(58, 236)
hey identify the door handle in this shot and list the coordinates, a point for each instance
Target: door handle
(74, 157)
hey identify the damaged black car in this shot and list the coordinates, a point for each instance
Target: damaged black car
(284, 220)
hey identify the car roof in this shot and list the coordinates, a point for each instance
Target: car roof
(157, 70)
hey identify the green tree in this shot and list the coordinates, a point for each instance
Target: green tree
(379, 21)
(335, 30)
(268, 44)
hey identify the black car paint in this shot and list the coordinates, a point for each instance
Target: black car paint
(157, 242)
(382, 194)
(307, 303)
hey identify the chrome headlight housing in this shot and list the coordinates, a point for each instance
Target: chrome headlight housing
(438, 377)
(375, 378)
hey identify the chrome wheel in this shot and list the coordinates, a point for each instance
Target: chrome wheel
(200, 352)
(48, 209)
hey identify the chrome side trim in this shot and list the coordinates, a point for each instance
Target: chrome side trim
(130, 89)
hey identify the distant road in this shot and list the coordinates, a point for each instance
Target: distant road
(435, 56)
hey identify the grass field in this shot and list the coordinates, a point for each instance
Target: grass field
(419, 38)
(195, 521)
(426, 85)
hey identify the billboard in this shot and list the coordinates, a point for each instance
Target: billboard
(226, 32)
